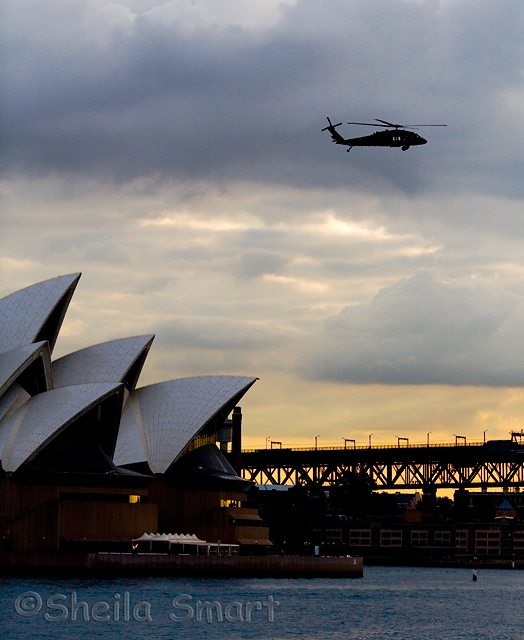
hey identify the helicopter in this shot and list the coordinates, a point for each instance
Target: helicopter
(397, 135)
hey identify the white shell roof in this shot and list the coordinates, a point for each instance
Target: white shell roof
(13, 363)
(11, 401)
(106, 362)
(131, 443)
(24, 313)
(43, 417)
(160, 420)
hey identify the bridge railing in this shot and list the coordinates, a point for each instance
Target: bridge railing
(418, 445)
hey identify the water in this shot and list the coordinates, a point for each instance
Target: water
(389, 603)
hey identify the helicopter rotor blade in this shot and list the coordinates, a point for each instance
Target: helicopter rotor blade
(369, 124)
(426, 125)
(389, 124)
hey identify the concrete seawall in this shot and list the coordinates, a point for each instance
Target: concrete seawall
(152, 564)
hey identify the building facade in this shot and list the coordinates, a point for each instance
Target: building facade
(91, 460)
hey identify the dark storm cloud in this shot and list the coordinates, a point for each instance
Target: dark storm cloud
(216, 333)
(257, 262)
(107, 93)
(426, 330)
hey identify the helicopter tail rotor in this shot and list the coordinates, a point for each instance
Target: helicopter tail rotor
(331, 125)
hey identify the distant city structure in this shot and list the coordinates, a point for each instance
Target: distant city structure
(400, 528)
(90, 461)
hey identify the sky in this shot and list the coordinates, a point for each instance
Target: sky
(172, 152)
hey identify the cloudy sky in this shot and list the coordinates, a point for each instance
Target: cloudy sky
(173, 153)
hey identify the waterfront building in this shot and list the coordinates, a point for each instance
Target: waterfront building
(399, 528)
(90, 460)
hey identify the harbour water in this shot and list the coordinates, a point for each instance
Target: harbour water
(388, 603)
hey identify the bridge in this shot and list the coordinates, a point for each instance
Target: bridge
(496, 463)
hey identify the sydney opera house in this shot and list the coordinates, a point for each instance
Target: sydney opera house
(90, 460)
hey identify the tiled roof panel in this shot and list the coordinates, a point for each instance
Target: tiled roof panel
(129, 448)
(43, 417)
(23, 313)
(13, 362)
(106, 362)
(173, 412)
(11, 401)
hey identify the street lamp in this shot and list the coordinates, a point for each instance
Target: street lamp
(428, 437)
(370, 440)
(268, 438)
(316, 438)
(485, 434)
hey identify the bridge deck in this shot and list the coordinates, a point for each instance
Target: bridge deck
(446, 465)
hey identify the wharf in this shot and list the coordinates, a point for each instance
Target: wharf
(160, 564)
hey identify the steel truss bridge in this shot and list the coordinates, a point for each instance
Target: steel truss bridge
(463, 466)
